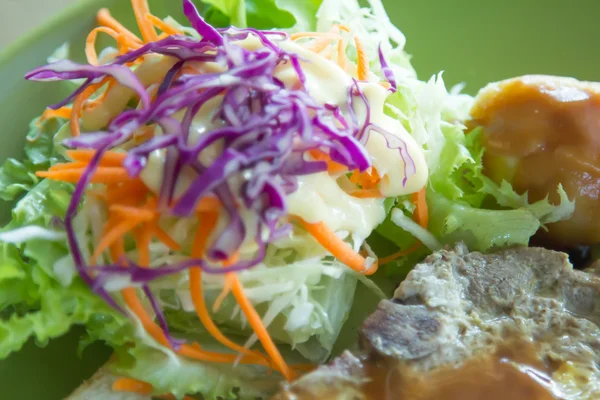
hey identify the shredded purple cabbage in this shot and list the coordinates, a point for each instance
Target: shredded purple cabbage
(264, 129)
(387, 71)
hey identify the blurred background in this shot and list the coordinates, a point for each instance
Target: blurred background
(472, 41)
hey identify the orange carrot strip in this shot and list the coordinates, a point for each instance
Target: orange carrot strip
(101, 175)
(300, 35)
(130, 192)
(227, 283)
(91, 104)
(165, 238)
(203, 231)
(191, 351)
(367, 180)
(319, 45)
(105, 19)
(114, 234)
(362, 61)
(260, 330)
(332, 166)
(208, 204)
(63, 112)
(367, 194)
(67, 166)
(90, 43)
(162, 25)
(133, 212)
(421, 213)
(143, 237)
(131, 385)
(109, 158)
(401, 253)
(341, 54)
(78, 104)
(338, 248)
(140, 8)
(133, 302)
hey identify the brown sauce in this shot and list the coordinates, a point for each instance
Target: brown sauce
(513, 372)
(542, 131)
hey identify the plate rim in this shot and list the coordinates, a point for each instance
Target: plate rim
(51, 24)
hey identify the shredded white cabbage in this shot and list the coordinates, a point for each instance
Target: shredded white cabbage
(415, 229)
(26, 233)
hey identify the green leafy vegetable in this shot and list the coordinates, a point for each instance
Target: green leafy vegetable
(18, 177)
(264, 14)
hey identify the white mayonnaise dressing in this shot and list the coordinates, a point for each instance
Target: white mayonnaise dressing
(319, 196)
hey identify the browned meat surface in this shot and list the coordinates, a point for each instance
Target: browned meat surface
(540, 131)
(518, 324)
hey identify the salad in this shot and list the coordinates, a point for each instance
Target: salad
(222, 201)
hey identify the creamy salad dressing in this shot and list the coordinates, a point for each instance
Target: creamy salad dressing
(319, 196)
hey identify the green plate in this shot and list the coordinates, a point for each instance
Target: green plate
(476, 44)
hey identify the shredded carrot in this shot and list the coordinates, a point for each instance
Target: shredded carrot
(91, 104)
(300, 35)
(401, 253)
(367, 180)
(130, 192)
(116, 229)
(109, 158)
(208, 204)
(205, 227)
(421, 213)
(63, 112)
(105, 19)
(142, 243)
(133, 212)
(260, 330)
(162, 25)
(223, 294)
(341, 54)
(101, 175)
(362, 60)
(338, 248)
(192, 351)
(227, 283)
(114, 233)
(319, 45)
(367, 194)
(131, 385)
(332, 166)
(165, 238)
(140, 8)
(67, 166)
(78, 104)
(342, 27)
(90, 43)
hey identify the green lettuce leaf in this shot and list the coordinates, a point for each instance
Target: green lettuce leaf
(170, 373)
(34, 301)
(18, 177)
(264, 14)
(465, 205)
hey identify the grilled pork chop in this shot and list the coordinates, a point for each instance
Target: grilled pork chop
(515, 324)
